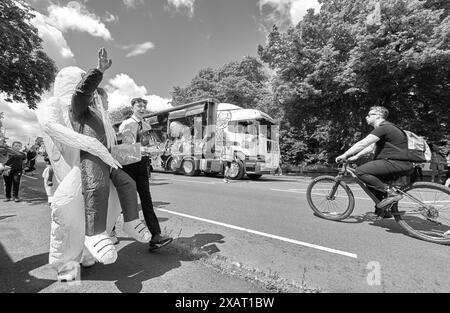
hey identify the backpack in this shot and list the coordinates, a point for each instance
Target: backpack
(418, 149)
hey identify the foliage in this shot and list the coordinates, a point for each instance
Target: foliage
(25, 69)
(334, 65)
(243, 83)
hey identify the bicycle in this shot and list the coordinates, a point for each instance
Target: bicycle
(423, 212)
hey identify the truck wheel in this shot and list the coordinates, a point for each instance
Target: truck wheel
(188, 167)
(236, 170)
(171, 166)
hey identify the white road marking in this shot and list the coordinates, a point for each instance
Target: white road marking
(23, 175)
(194, 181)
(301, 243)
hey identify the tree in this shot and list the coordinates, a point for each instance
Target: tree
(334, 65)
(244, 83)
(25, 69)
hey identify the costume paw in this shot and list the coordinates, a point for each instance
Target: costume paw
(87, 260)
(69, 271)
(137, 230)
(101, 248)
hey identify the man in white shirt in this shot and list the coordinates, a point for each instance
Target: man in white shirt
(131, 131)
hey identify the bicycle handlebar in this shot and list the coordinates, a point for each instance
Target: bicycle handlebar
(344, 167)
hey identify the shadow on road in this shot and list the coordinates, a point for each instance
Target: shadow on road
(388, 223)
(135, 265)
(15, 277)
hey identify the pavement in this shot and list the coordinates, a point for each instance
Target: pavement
(187, 265)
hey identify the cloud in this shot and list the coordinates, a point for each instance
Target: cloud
(138, 49)
(75, 17)
(54, 43)
(291, 11)
(179, 4)
(110, 18)
(19, 122)
(157, 103)
(132, 3)
(122, 88)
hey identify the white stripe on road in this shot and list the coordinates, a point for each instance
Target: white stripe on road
(193, 181)
(301, 243)
(23, 175)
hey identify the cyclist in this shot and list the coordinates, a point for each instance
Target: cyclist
(389, 145)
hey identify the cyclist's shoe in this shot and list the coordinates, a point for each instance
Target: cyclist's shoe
(384, 212)
(391, 198)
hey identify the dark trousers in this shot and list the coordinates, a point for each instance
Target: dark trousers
(138, 171)
(373, 174)
(31, 166)
(95, 180)
(12, 181)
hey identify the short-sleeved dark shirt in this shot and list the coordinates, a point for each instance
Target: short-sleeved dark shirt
(393, 143)
(16, 162)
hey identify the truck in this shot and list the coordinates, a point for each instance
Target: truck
(191, 139)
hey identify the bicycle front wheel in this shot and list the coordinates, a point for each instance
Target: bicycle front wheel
(330, 199)
(424, 212)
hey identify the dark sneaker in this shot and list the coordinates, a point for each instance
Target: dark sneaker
(159, 241)
(7, 200)
(383, 212)
(391, 198)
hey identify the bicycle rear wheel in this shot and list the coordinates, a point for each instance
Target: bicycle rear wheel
(330, 199)
(429, 218)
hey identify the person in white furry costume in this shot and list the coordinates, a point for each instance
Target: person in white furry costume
(63, 146)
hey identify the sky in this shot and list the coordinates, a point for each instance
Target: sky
(155, 45)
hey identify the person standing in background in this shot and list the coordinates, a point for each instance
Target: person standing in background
(12, 176)
(48, 180)
(31, 159)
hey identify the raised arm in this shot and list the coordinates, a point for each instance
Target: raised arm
(88, 84)
(84, 91)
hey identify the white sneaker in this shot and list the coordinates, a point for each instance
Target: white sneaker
(101, 248)
(137, 230)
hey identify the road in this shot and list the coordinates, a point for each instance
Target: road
(268, 225)
(258, 229)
